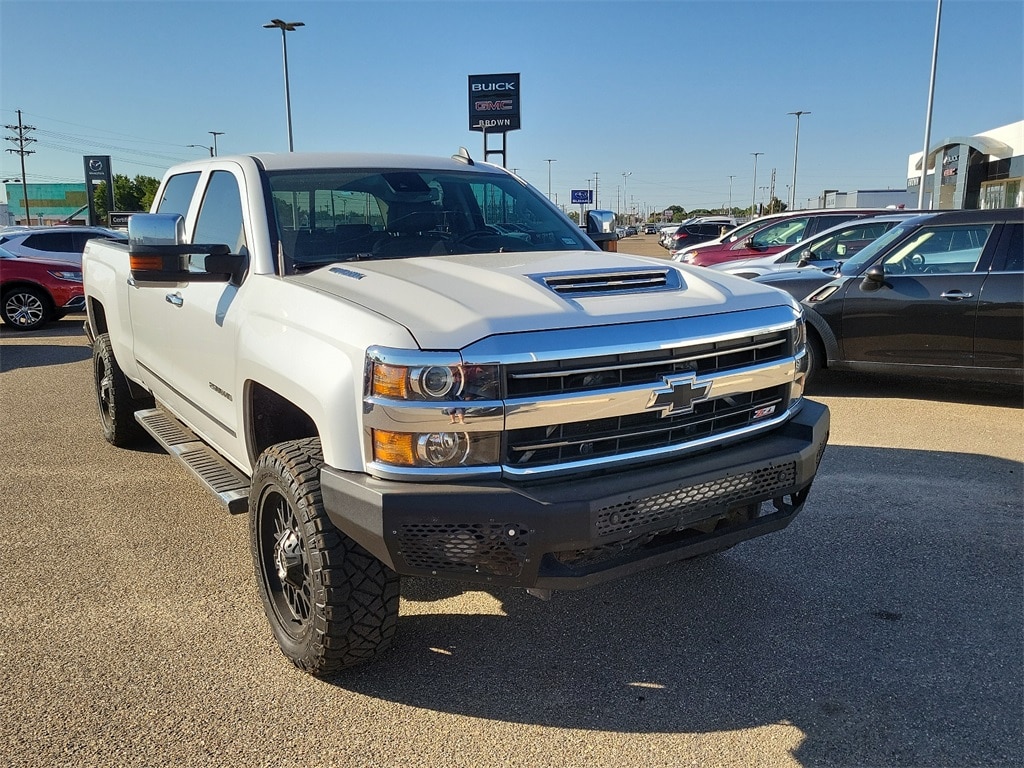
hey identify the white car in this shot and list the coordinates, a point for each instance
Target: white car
(825, 251)
(56, 243)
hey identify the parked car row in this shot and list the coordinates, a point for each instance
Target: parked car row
(937, 294)
(775, 234)
(823, 251)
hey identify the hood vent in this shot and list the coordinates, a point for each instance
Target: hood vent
(612, 282)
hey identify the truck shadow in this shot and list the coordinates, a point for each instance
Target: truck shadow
(886, 627)
(34, 349)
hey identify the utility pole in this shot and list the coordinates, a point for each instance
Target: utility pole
(595, 189)
(22, 140)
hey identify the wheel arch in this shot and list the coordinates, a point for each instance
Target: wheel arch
(271, 418)
(816, 325)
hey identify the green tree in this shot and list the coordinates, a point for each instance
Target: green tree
(129, 194)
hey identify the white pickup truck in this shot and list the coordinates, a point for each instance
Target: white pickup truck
(420, 366)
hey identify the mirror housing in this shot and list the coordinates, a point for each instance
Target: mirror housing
(874, 278)
(159, 255)
(601, 229)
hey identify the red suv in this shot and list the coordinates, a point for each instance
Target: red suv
(34, 292)
(776, 235)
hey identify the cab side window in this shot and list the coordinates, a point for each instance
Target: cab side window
(178, 193)
(220, 217)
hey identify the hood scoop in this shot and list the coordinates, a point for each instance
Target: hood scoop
(616, 281)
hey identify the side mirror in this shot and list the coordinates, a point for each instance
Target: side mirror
(158, 253)
(753, 245)
(874, 279)
(806, 257)
(600, 222)
(601, 229)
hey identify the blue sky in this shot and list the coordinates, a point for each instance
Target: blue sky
(676, 93)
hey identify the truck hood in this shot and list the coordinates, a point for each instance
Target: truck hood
(448, 302)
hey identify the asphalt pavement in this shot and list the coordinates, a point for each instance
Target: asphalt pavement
(884, 627)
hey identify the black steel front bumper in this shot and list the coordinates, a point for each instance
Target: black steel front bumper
(577, 532)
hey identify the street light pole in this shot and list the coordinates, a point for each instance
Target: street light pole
(753, 194)
(730, 193)
(928, 118)
(796, 152)
(285, 27)
(215, 134)
(549, 162)
(625, 175)
(203, 146)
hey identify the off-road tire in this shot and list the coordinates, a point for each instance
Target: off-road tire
(114, 399)
(25, 308)
(330, 603)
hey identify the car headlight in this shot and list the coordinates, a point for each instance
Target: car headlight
(71, 277)
(432, 411)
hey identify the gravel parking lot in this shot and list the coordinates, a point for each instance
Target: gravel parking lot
(884, 627)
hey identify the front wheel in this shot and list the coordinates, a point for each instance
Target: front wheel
(26, 308)
(816, 358)
(330, 603)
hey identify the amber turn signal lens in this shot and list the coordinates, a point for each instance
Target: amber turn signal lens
(146, 263)
(395, 448)
(390, 381)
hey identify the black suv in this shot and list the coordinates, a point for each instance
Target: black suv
(697, 232)
(941, 294)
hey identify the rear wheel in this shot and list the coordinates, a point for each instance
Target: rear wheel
(330, 603)
(26, 308)
(116, 405)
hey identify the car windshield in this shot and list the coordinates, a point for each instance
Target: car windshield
(324, 216)
(866, 255)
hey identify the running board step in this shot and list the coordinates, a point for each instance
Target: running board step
(220, 477)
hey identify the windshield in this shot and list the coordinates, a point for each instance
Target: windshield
(867, 254)
(324, 216)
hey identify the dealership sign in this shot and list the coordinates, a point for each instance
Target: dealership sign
(494, 103)
(582, 196)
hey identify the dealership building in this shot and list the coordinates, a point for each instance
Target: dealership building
(981, 171)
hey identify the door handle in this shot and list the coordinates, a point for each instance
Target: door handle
(175, 299)
(956, 295)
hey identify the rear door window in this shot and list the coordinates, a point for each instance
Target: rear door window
(177, 194)
(53, 242)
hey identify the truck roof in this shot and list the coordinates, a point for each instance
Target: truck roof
(272, 161)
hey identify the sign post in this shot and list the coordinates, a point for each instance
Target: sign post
(97, 169)
(494, 107)
(582, 197)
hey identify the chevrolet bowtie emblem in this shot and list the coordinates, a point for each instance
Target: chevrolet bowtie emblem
(679, 395)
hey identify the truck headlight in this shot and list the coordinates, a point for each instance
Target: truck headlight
(435, 450)
(430, 410)
(434, 382)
